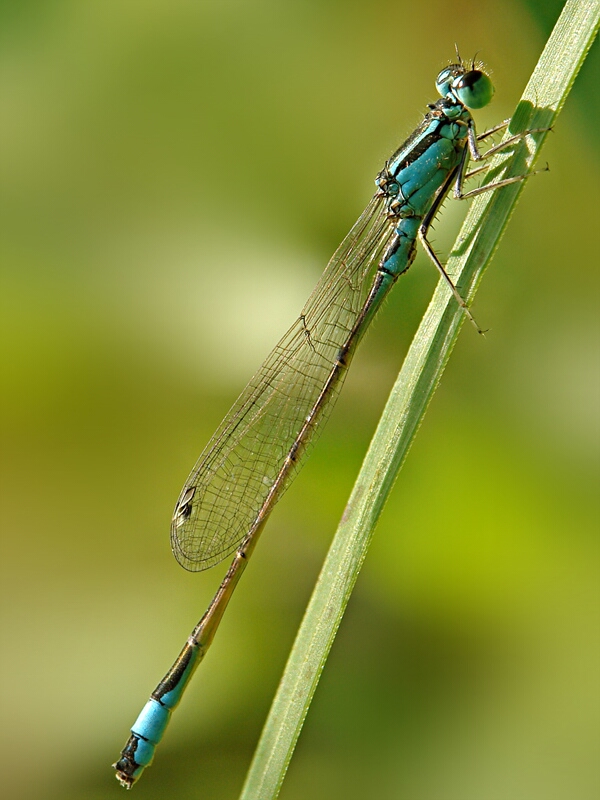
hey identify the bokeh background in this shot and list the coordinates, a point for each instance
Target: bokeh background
(174, 177)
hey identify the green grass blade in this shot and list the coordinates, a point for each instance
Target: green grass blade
(541, 102)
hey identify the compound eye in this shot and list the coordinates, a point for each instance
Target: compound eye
(474, 89)
(444, 80)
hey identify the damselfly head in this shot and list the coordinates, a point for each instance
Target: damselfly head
(471, 87)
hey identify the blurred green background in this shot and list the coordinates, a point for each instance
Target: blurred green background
(175, 176)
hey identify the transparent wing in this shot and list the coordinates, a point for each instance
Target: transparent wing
(232, 480)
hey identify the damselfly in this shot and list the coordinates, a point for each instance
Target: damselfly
(258, 447)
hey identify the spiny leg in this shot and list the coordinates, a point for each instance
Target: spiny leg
(473, 139)
(485, 168)
(490, 132)
(462, 175)
(422, 234)
(460, 195)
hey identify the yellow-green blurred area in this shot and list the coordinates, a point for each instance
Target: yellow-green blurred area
(174, 176)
